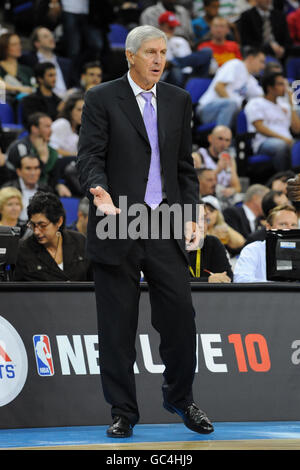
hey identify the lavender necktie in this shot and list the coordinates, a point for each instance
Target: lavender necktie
(153, 196)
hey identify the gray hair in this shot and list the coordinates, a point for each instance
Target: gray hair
(254, 189)
(140, 34)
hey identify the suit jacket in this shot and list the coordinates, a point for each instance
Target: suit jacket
(237, 219)
(115, 153)
(31, 59)
(251, 29)
(34, 263)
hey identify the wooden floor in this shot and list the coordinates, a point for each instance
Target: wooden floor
(259, 444)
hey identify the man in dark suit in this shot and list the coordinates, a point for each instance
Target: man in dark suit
(244, 218)
(43, 50)
(121, 148)
(264, 27)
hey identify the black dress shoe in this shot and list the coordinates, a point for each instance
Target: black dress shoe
(194, 418)
(121, 427)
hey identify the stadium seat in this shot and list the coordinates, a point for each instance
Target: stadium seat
(293, 68)
(295, 155)
(7, 117)
(197, 86)
(71, 207)
(117, 36)
(247, 162)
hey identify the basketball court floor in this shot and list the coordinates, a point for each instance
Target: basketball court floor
(227, 436)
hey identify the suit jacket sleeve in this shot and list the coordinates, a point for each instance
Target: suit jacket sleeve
(187, 177)
(92, 148)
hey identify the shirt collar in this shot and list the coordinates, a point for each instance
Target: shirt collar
(263, 13)
(250, 215)
(137, 89)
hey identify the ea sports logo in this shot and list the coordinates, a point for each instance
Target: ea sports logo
(13, 363)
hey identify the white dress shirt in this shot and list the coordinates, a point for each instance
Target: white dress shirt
(137, 90)
(251, 264)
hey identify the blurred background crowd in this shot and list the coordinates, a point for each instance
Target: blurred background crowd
(240, 62)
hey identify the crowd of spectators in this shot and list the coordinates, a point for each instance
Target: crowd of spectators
(53, 51)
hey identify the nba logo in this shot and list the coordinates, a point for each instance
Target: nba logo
(43, 355)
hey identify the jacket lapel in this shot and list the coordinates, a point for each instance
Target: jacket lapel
(130, 108)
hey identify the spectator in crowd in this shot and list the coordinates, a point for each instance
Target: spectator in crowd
(227, 8)
(80, 225)
(51, 253)
(65, 129)
(273, 120)
(216, 226)
(44, 100)
(217, 157)
(202, 23)
(232, 84)
(43, 45)
(293, 21)
(279, 181)
(263, 26)
(28, 181)
(223, 49)
(37, 143)
(270, 200)
(181, 60)
(10, 208)
(243, 219)
(91, 75)
(210, 263)
(207, 181)
(18, 78)
(251, 264)
(151, 14)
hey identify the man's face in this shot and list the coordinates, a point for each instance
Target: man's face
(219, 29)
(148, 63)
(257, 63)
(212, 10)
(44, 128)
(264, 4)
(207, 183)
(279, 87)
(45, 39)
(284, 220)
(220, 140)
(49, 79)
(92, 77)
(30, 171)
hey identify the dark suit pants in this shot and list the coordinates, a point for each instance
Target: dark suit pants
(172, 315)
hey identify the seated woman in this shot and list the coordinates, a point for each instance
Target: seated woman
(210, 263)
(11, 206)
(51, 253)
(217, 226)
(17, 78)
(65, 129)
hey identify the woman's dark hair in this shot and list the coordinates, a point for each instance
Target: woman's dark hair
(4, 43)
(70, 105)
(48, 204)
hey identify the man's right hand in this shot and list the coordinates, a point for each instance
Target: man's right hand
(103, 201)
(293, 188)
